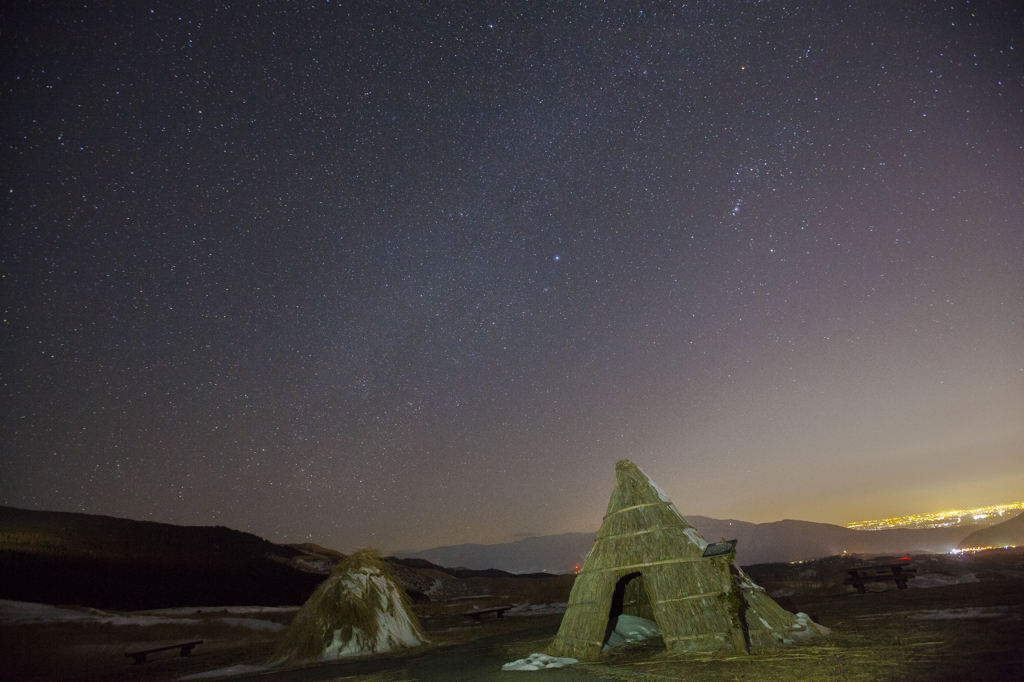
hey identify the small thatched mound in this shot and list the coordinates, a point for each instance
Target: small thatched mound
(359, 610)
(648, 562)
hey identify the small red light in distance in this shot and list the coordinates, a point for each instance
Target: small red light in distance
(906, 558)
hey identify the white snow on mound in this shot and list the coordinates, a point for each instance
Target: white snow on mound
(630, 629)
(225, 672)
(539, 662)
(394, 628)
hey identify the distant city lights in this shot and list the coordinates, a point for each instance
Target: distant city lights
(973, 550)
(942, 519)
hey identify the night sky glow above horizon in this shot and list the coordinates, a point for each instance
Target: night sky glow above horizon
(413, 275)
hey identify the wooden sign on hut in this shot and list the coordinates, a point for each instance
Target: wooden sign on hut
(647, 561)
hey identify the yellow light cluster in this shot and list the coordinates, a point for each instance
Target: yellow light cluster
(979, 549)
(939, 519)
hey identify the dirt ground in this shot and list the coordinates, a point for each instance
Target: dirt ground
(957, 632)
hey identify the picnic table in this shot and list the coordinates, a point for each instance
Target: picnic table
(499, 612)
(898, 572)
(186, 649)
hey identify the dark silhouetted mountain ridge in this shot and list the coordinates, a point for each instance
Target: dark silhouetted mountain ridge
(779, 541)
(106, 562)
(1009, 532)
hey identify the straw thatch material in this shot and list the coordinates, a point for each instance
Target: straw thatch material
(647, 561)
(358, 610)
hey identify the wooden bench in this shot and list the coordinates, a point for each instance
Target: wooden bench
(499, 611)
(186, 649)
(899, 573)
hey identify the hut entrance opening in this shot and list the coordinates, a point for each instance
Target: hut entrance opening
(629, 598)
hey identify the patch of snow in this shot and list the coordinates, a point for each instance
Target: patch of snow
(225, 672)
(140, 620)
(253, 624)
(941, 580)
(15, 612)
(745, 581)
(676, 510)
(696, 538)
(25, 612)
(394, 628)
(536, 609)
(950, 614)
(657, 488)
(969, 612)
(190, 610)
(339, 648)
(810, 628)
(629, 629)
(312, 564)
(664, 498)
(539, 662)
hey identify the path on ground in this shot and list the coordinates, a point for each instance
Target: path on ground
(477, 661)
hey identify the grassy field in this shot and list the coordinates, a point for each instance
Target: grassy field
(958, 632)
(88, 651)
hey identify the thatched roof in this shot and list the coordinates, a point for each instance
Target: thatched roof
(358, 610)
(648, 561)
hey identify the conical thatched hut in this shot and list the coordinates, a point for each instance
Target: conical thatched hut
(358, 610)
(648, 561)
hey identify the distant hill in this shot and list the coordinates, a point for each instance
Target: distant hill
(461, 572)
(547, 553)
(758, 543)
(106, 562)
(791, 540)
(109, 563)
(1010, 532)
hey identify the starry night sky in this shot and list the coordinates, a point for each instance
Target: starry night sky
(410, 274)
